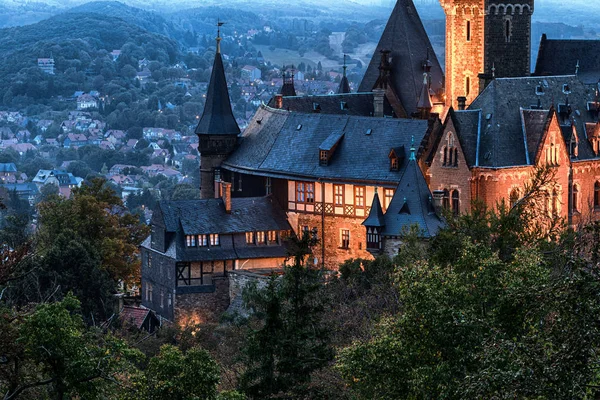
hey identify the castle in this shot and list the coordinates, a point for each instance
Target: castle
(357, 170)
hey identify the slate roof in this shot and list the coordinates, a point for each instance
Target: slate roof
(412, 204)
(560, 57)
(217, 117)
(504, 135)
(287, 145)
(410, 47)
(344, 85)
(194, 217)
(344, 104)
(467, 124)
(197, 217)
(8, 167)
(376, 217)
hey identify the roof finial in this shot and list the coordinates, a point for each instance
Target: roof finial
(413, 156)
(577, 68)
(219, 25)
(344, 67)
(494, 70)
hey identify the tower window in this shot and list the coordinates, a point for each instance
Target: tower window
(507, 30)
(345, 239)
(514, 197)
(575, 199)
(468, 31)
(597, 195)
(455, 202)
(467, 85)
(446, 199)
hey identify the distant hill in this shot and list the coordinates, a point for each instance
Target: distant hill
(80, 44)
(148, 20)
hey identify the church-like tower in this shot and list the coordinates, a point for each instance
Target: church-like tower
(485, 39)
(217, 130)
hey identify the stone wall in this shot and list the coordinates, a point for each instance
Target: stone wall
(197, 308)
(334, 253)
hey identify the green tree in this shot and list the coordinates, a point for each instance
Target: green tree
(291, 341)
(499, 307)
(178, 376)
(51, 354)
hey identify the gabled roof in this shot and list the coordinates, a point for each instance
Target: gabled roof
(412, 204)
(283, 144)
(135, 316)
(376, 217)
(467, 125)
(197, 217)
(502, 137)
(560, 57)
(535, 124)
(8, 167)
(410, 47)
(217, 118)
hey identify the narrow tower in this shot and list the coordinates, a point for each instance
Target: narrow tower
(485, 39)
(217, 130)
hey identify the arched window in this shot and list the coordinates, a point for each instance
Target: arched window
(555, 203)
(507, 30)
(468, 31)
(455, 202)
(514, 197)
(597, 195)
(575, 199)
(445, 155)
(446, 199)
(455, 157)
(467, 86)
(450, 160)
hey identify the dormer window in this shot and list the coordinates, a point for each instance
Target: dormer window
(394, 164)
(260, 237)
(249, 237)
(215, 239)
(190, 240)
(396, 157)
(323, 157)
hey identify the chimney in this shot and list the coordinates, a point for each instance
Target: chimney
(226, 196)
(278, 101)
(462, 102)
(438, 199)
(378, 95)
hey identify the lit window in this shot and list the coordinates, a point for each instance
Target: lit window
(338, 191)
(190, 241)
(202, 240)
(214, 239)
(359, 196)
(260, 237)
(388, 194)
(345, 242)
(249, 237)
(272, 236)
(305, 192)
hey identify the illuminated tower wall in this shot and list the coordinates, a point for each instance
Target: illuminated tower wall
(485, 39)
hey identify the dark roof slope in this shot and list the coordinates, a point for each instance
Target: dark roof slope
(467, 123)
(410, 47)
(376, 217)
(535, 123)
(287, 145)
(197, 217)
(502, 138)
(412, 204)
(560, 57)
(344, 85)
(217, 118)
(344, 104)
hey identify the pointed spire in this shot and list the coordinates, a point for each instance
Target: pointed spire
(413, 156)
(425, 104)
(577, 68)
(344, 84)
(376, 218)
(217, 118)
(494, 70)
(219, 25)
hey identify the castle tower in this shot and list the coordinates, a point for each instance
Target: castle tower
(485, 39)
(217, 130)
